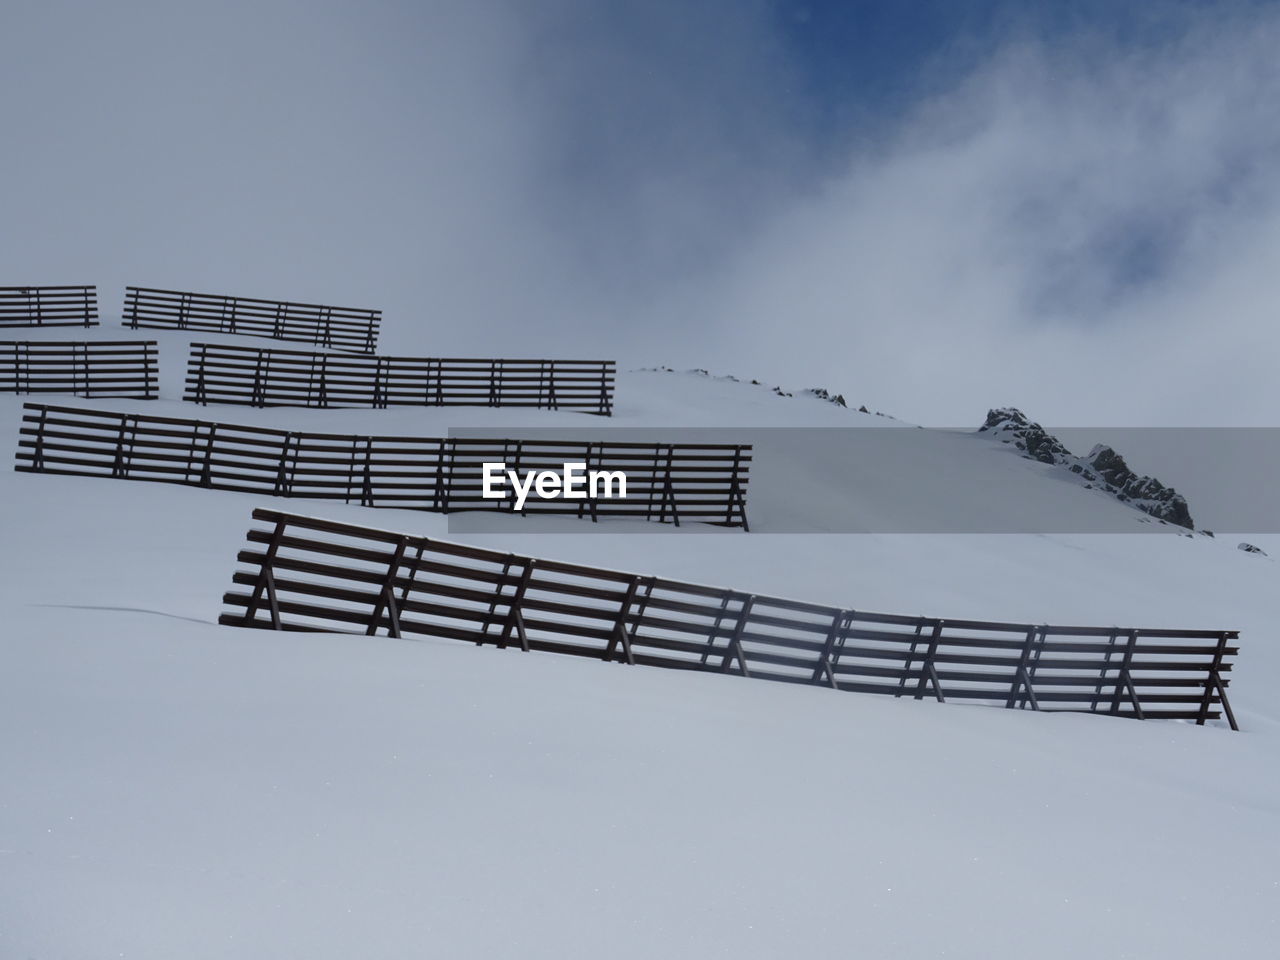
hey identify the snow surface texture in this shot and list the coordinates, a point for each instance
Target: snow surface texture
(173, 788)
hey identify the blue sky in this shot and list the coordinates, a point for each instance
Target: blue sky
(875, 56)
(856, 60)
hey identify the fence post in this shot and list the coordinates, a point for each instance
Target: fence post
(149, 371)
(200, 396)
(1226, 704)
(590, 504)
(266, 581)
(1214, 679)
(638, 616)
(386, 596)
(619, 635)
(668, 492)
(379, 383)
(928, 672)
(80, 370)
(191, 450)
(206, 468)
(715, 626)
(736, 496)
(445, 476)
(516, 467)
(735, 640)
(437, 486)
(322, 395)
(553, 398)
(317, 389)
(206, 465)
(123, 460)
(493, 602)
(1033, 664)
(37, 455)
(831, 648)
(653, 482)
(1102, 674)
(366, 493)
(515, 616)
(606, 406)
(22, 366)
(326, 321)
(1123, 681)
(285, 473)
(261, 372)
(1021, 678)
(493, 383)
(413, 571)
(910, 659)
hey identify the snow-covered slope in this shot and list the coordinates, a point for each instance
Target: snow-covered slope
(175, 788)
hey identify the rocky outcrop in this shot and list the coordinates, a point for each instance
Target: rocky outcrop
(1103, 468)
(1146, 493)
(1011, 425)
(822, 394)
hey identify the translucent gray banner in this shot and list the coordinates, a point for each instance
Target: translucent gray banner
(900, 479)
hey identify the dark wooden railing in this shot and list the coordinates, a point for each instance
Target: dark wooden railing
(92, 368)
(270, 378)
(49, 306)
(704, 483)
(342, 328)
(302, 573)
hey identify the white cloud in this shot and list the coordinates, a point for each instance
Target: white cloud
(1083, 230)
(1086, 231)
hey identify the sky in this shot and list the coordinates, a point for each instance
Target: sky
(932, 208)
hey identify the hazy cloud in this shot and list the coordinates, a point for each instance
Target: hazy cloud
(1078, 226)
(1083, 227)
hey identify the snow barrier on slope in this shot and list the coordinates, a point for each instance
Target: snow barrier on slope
(704, 483)
(86, 368)
(49, 306)
(303, 573)
(217, 373)
(341, 328)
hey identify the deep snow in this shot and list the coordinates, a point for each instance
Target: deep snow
(175, 788)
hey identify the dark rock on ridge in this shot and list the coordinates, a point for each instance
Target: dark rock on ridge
(1102, 468)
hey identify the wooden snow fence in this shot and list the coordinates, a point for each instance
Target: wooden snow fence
(302, 573)
(341, 328)
(677, 482)
(218, 373)
(49, 306)
(85, 368)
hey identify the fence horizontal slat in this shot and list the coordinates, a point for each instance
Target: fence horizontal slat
(375, 472)
(342, 328)
(85, 368)
(455, 591)
(244, 375)
(49, 306)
